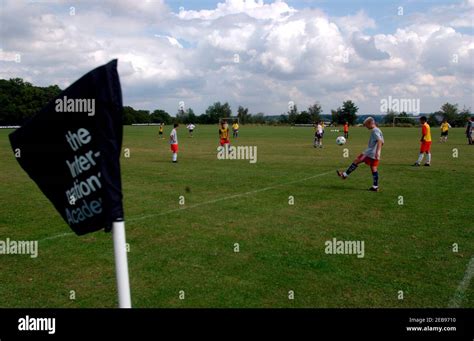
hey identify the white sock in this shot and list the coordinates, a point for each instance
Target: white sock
(175, 156)
(420, 158)
(345, 174)
(428, 158)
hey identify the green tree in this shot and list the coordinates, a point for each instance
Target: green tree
(304, 118)
(348, 113)
(283, 119)
(449, 111)
(292, 114)
(218, 111)
(258, 118)
(389, 116)
(243, 115)
(19, 100)
(315, 112)
(191, 117)
(462, 117)
(160, 116)
(434, 119)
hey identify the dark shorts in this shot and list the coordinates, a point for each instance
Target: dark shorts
(444, 133)
(319, 136)
(191, 130)
(160, 133)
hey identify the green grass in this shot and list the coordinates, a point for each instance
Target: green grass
(282, 247)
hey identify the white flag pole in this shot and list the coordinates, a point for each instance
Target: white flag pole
(121, 264)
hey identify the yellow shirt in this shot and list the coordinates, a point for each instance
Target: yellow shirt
(161, 128)
(426, 132)
(444, 127)
(224, 133)
(235, 126)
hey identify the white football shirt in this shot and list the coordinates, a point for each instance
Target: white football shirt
(174, 137)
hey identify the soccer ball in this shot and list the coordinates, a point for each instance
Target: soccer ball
(341, 140)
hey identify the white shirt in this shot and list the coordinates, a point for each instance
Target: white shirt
(191, 126)
(174, 137)
(319, 129)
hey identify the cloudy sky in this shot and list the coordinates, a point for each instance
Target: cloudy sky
(259, 54)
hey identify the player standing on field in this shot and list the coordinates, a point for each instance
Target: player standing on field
(160, 132)
(469, 130)
(444, 131)
(235, 130)
(174, 143)
(318, 135)
(224, 134)
(346, 130)
(371, 156)
(425, 140)
(191, 129)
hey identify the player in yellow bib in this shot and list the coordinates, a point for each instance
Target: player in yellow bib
(444, 131)
(235, 130)
(160, 132)
(224, 135)
(425, 147)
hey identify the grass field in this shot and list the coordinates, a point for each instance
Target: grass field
(282, 247)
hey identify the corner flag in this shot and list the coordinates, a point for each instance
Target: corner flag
(71, 150)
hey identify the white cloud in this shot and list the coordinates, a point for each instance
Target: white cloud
(284, 53)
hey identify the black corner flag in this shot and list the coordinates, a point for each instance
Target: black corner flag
(71, 150)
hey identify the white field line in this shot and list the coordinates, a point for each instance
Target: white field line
(56, 236)
(458, 297)
(228, 197)
(203, 203)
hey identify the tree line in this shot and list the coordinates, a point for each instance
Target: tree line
(450, 112)
(19, 100)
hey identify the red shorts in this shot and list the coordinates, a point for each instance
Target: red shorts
(174, 148)
(425, 147)
(368, 161)
(224, 141)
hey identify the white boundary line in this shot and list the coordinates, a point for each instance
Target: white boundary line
(228, 197)
(202, 203)
(458, 297)
(56, 236)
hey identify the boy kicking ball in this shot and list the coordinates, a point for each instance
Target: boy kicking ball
(370, 156)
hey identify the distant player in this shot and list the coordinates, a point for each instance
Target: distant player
(160, 132)
(190, 129)
(224, 135)
(174, 143)
(235, 130)
(425, 147)
(444, 131)
(470, 130)
(346, 130)
(318, 135)
(371, 156)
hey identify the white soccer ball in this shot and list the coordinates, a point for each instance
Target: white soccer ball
(341, 140)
